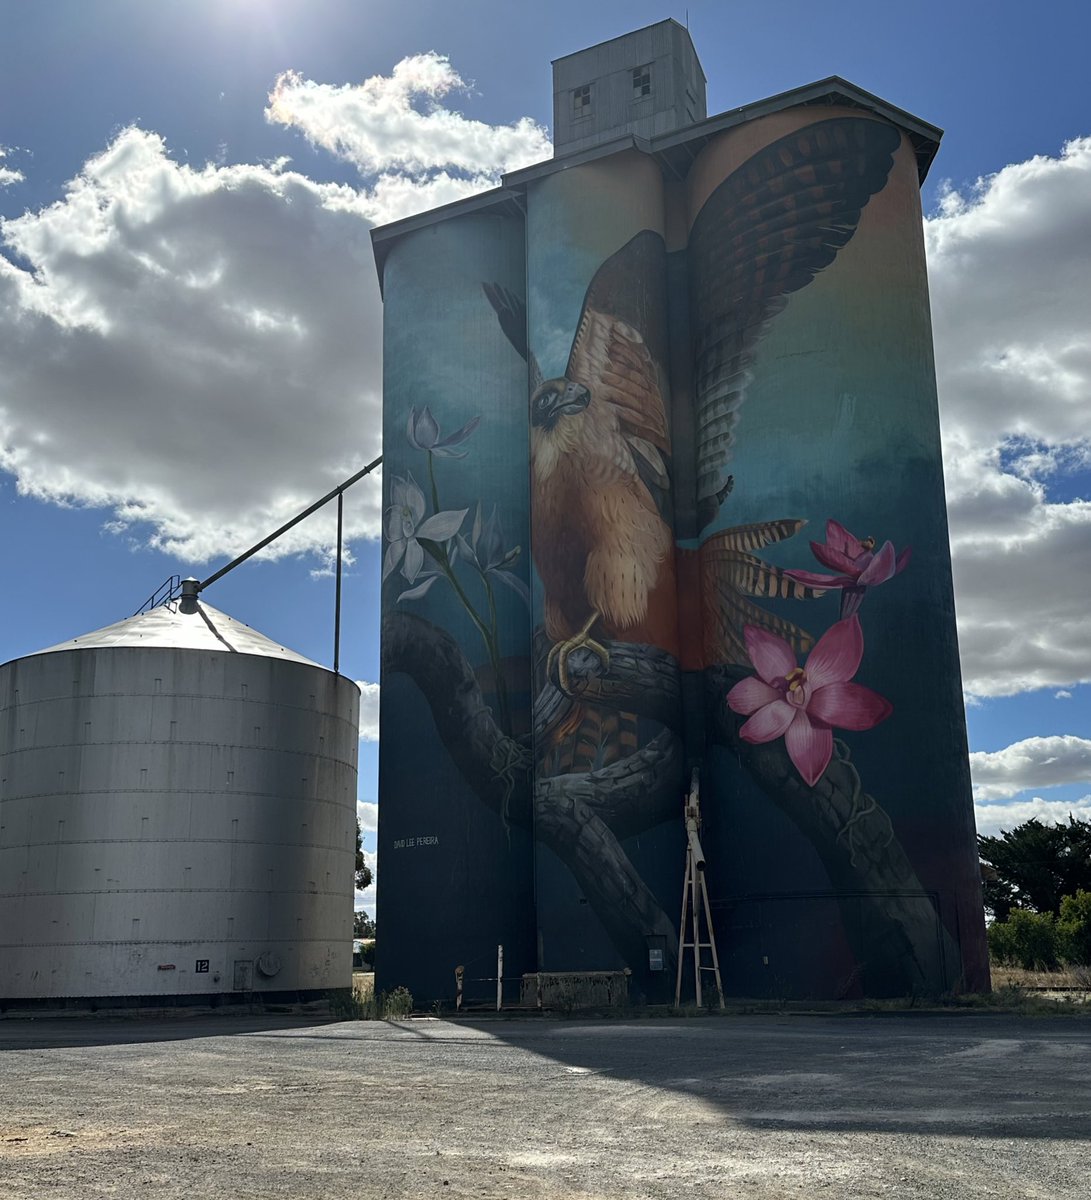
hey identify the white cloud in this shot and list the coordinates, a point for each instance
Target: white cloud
(1063, 694)
(8, 175)
(1009, 264)
(394, 196)
(414, 153)
(992, 818)
(367, 813)
(396, 123)
(1037, 762)
(198, 350)
(369, 711)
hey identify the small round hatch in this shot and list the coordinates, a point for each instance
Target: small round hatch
(268, 964)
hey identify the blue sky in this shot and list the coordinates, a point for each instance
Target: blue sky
(189, 322)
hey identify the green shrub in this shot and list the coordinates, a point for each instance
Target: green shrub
(1028, 939)
(396, 1004)
(345, 1005)
(1074, 928)
(1001, 949)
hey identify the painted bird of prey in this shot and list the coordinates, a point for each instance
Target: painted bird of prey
(602, 530)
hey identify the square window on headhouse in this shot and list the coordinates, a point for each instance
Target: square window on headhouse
(642, 81)
(581, 101)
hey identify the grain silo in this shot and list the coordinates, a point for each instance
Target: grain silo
(664, 494)
(177, 815)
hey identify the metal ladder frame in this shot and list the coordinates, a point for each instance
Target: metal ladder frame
(695, 882)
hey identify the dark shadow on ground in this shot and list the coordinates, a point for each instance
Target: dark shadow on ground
(50, 1032)
(969, 1076)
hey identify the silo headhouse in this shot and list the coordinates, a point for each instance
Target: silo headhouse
(664, 495)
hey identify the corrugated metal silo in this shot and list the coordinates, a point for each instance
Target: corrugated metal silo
(177, 815)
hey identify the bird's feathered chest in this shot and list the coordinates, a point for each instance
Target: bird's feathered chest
(598, 539)
(583, 470)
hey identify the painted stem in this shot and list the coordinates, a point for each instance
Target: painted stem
(494, 655)
(432, 481)
(488, 635)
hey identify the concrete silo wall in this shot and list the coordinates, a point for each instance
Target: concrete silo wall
(865, 878)
(457, 875)
(603, 552)
(739, 563)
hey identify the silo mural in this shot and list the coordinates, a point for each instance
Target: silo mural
(706, 417)
(603, 550)
(456, 870)
(824, 570)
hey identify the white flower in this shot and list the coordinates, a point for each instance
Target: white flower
(405, 526)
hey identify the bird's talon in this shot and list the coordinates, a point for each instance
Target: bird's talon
(561, 652)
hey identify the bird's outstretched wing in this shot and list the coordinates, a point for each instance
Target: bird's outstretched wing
(511, 312)
(730, 572)
(764, 233)
(611, 360)
(620, 348)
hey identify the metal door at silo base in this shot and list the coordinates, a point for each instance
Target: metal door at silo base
(244, 975)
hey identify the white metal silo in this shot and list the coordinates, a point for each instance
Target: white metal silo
(177, 815)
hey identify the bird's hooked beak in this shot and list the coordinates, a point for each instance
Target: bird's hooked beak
(557, 398)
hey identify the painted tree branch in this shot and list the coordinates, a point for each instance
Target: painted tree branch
(494, 765)
(905, 940)
(620, 898)
(571, 814)
(639, 679)
(637, 793)
(582, 817)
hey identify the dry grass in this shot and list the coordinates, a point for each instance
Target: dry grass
(1065, 977)
(1008, 981)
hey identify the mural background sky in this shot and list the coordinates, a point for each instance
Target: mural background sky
(190, 324)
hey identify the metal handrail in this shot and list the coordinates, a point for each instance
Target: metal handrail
(167, 591)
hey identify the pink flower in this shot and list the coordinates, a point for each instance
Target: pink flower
(806, 703)
(858, 563)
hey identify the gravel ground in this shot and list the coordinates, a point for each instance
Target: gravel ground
(771, 1107)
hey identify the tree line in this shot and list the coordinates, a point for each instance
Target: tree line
(1036, 881)
(363, 926)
